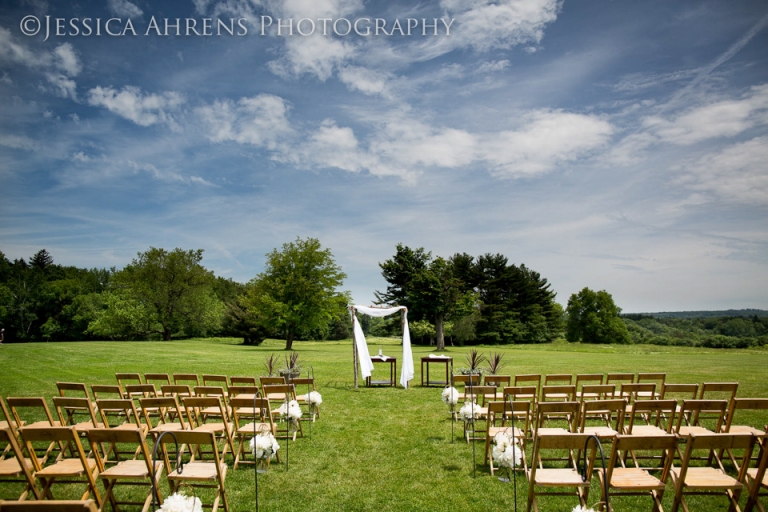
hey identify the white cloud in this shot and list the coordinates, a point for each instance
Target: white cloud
(365, 80)
(66, 59)
(548, 139)
(63, 58)
(17, 142)
(493, 66)
(124, 8)
(314, 55)
(134, 105)
(487, 24)
(725, 118)
(62, 86)
(738, 173)
(259, 120)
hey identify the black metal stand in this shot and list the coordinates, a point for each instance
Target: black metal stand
(605, 474)
(179, 464)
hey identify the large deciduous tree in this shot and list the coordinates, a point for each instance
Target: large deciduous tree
(297, 290)
(165, 292)
(593, 317)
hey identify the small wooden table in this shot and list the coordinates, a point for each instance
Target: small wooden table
(392, 372)
(447, 361)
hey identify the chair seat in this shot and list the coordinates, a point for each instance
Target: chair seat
(707, 478)
(559, 477)
(210, 427)
(11, 467)
(684, 431)
(199, 471)
(248, 428)
(600, 431)
(739, 429)
(551, 430)
(129, 469)
(635, 479)
(492, 431)
(753, 474)
(85, 426)
(166, 427)
(67, 467)
(648, 430)
(131, 426)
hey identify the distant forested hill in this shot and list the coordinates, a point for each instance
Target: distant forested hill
(715, 329)
(703, 314)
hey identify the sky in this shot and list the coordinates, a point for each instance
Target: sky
(614, 145)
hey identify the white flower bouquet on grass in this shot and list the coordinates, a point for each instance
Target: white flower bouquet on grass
(470, 411)
(264, 446)
(314, 398)
(290, 410)
(506, 453)
(450, 396)
(178, 502)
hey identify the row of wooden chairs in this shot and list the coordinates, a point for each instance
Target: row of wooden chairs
(74, 465)
(625, 479)
(606, 419)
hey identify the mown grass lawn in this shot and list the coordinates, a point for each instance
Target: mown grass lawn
(374, 448)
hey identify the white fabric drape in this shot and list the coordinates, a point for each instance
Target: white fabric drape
(406, 368)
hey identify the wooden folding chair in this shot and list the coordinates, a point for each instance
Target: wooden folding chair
(76, 390)
(242, 381)
(215, 380)
(633, 391)
(136, 391)
(746, 404)
(168, 413)
(523, 394)
(692, 409)
(560, 478)
(198, 474)
(125, 379)
(500, 414)
(498, 381)
(757, 479)
(75, 470)
(131, 472)
(65, 406)
(196, 407)
(651, 417)
(609, 413)
(189, 379)
(177, 390)
(282, 393)
(635, 481)
(558, 379)
(557, 411)
(555, 393)
(587, 379)
(716, 391)
(107, 392)
(49, 506)
(8, 422)
(620, 378)
(657, 378)
(244, 392)
(562, 381)
(15, 468)
(34, 407)
(250, 415)
(308, 384)
(271, 381)
(526, 380)
(679, 392)
(158, 379)
(216, 391)
(708, 480)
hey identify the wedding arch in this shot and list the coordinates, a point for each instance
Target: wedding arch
(360, 346)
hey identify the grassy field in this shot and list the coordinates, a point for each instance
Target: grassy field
(379, 448)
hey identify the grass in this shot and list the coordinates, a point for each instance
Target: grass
(374, 448)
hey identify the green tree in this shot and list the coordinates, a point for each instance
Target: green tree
(297, 289)
(164, 292)
(593, 317)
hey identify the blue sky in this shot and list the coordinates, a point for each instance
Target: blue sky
(617, 145)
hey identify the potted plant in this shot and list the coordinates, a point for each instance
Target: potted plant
(270, 362)
(475, 361)
(494, 363)
(292, 370)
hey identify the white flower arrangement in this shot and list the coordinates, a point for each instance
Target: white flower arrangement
(450, 396)
(264, 446)
(178, 502)
(291, 410)
(314, 398)
(579, 508)
(469, 411)
(506, 453)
